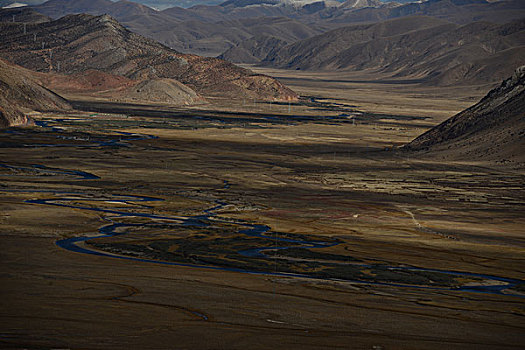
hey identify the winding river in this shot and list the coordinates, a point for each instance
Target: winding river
(133, 204)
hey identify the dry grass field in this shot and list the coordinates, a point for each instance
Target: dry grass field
(249, 225)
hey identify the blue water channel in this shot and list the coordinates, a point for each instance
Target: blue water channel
(133, 203)
(208, 218)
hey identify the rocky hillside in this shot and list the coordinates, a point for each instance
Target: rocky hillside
(20, 92)
(134, 16)
(166, 91)
(60, 8)
(77, 43)
(350, 11)
(440, 52)
(493, 129)
(356, 11)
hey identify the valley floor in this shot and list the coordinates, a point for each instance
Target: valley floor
(252, 225)
(377, 92)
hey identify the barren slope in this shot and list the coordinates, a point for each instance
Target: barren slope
(77, 43)
(493, 129)
(20, 92)
(441, 52)
(212, 39)
(99, 85)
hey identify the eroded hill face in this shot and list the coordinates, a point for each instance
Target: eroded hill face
(20, 92)
(493, 129)
(78, 43)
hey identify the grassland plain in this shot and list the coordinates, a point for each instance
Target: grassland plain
(243, 224)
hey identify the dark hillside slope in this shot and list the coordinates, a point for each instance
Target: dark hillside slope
(322, 50)
(59, 8)
(493, 129)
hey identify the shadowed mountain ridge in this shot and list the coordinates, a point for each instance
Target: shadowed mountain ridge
(493, 129)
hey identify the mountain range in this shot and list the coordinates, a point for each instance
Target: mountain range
(79, 43)
(437, 51)
(206, 30)
(456, 11)
(212, 30)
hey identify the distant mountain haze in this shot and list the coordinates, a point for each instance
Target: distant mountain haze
(437, 51)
